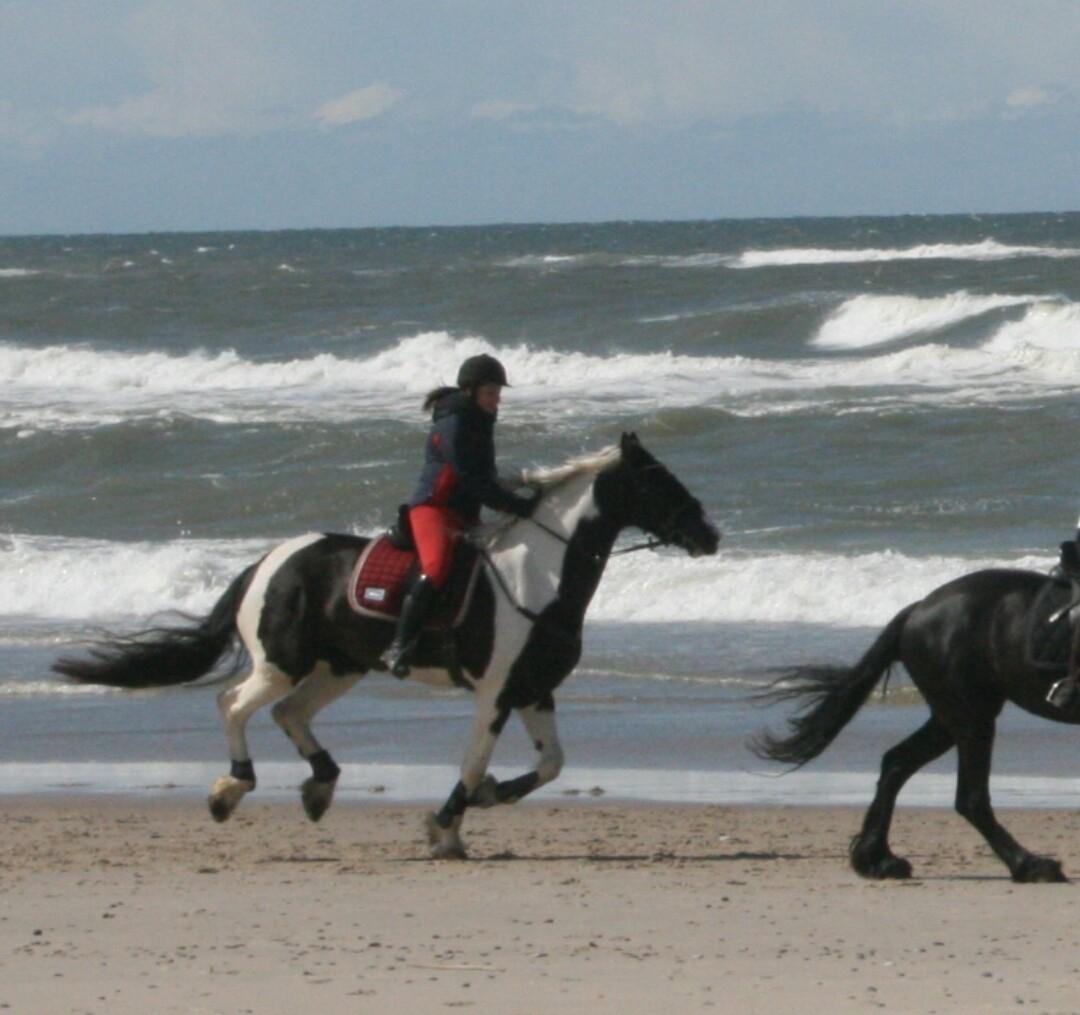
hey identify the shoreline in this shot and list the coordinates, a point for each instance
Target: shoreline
(279, 782)
(121, 905)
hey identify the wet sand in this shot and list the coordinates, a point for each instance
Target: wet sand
(118, 905)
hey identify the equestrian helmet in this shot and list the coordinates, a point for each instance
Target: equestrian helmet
(481, 369)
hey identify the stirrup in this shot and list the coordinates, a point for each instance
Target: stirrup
(1062, 692)
(398, 660)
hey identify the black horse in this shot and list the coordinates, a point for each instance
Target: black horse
(519, 638)
(967, 647)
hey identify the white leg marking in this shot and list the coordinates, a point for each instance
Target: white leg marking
(237, 704)
(446, 842)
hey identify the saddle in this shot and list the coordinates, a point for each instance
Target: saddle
(389, 565)
(1051, 619)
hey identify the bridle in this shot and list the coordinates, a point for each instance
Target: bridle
(666, 530)
(666, 537)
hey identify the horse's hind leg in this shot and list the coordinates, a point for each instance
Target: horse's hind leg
(539, 721)
(870, 853)
(237, 704)
(973, 802)
(294, 714)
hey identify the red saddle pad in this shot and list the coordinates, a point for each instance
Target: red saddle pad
(378, 584)
(382, 575)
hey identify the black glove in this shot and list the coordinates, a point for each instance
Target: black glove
(525, 506)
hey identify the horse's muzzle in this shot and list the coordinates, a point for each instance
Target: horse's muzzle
(704, 546)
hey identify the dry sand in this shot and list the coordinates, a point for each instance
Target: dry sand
(146, 906)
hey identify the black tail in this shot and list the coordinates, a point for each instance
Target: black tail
(829, 697)
(163, 656)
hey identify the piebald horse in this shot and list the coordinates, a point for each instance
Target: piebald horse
(519, 639)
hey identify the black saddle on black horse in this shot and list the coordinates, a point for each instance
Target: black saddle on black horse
(1050, 622)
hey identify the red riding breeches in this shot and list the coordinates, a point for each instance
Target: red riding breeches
(435, 530)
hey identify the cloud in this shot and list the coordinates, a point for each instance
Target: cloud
(209, 69)
(1028, 98)
(499, 109)
(361, 104)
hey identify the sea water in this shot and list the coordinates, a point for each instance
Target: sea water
(866, 407)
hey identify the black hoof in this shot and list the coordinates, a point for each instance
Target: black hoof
(1040, 870)
(219, 810)
(894, 868)
(879, 864)
(317, 795)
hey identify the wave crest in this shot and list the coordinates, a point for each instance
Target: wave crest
(985, 250)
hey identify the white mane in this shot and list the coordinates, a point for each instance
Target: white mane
(598, 461)
(547, 479)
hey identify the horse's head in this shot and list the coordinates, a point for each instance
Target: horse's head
(649, 497)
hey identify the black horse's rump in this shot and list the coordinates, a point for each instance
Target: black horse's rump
(967, 647)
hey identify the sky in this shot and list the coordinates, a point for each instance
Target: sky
(163, 115)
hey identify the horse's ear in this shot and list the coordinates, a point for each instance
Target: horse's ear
(629, 440)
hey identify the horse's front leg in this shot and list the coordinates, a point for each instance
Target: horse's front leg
(444, 828)
(539, 722)
(973, 802)
(294, 714)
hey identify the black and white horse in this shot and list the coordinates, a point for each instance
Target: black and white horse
(520, 637)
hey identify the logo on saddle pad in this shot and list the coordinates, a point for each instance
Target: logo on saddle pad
(384, 573)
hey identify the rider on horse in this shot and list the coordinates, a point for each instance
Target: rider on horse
(457, 479)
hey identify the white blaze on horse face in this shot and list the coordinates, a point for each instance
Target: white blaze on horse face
(251, 608)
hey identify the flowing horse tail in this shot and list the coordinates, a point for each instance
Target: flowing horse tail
(163, 656)
(829, 697)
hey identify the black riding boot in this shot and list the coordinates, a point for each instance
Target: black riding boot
(414, 612)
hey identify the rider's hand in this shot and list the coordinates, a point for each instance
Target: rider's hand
(525, 506)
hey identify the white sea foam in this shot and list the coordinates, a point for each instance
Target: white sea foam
(64, 386)
(1047, 325)
(17, 272)
(97, 581)
(986, 250)
(857, 590)
(866, 321)
(67, 579)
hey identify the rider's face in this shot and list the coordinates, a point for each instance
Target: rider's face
(488, 397)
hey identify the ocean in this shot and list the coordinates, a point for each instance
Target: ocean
(868, 407)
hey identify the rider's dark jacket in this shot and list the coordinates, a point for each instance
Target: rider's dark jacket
(459, 462)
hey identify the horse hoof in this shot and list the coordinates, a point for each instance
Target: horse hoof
(1040, 870)
(445, 843)
(894, 867)
(881, 868)
(225, 795)
(317, 797)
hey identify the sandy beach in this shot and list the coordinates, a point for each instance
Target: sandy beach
(118, 905)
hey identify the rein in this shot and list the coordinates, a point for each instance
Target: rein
(649, 544)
